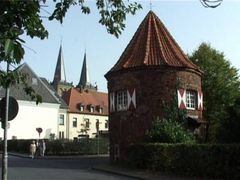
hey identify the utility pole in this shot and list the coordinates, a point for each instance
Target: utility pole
(5, 126)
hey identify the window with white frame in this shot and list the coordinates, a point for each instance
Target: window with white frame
(61, 119)
(97, 124)
(61, 134)
(74, 122)
(87, 123)
(106, 124)
(191, 99)
(121, 98)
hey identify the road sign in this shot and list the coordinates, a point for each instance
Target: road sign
(13, 108)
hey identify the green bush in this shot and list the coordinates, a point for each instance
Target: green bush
(201, 160)
(21, 145)
(64, 147)
(169, 131)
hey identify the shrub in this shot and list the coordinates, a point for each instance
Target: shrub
(64, 147)
(203, 160)
(169, 131)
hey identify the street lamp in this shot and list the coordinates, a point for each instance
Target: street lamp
(211, 3)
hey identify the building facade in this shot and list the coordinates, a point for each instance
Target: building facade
(87, 114)
(88, 108)
(151, 73)
(31, 115)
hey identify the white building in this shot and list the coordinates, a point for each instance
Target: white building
(30, 116)
(88, 112)
(80, 111)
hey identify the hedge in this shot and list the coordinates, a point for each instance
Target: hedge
(63, 147)
(199, 160)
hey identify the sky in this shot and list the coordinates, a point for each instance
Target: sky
(187, 20)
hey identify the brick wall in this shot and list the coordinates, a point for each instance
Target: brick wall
(152, 86)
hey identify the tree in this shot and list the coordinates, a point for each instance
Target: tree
(220, 84)
(23, 17)
(230, 125)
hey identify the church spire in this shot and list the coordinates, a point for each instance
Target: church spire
(59, 75)
(84, 78)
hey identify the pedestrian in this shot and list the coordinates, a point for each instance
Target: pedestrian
(42, 148)
(32, 149)
(37, 153)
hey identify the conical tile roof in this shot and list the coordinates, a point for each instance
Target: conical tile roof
(152, 45)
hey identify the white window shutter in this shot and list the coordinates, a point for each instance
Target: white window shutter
(181, 98)
(112, 102)
(200, 100)
(131, 93)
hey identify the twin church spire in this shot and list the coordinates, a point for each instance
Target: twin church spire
(60, 75)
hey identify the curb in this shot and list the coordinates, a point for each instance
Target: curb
(18, 155)
(58, 157)
(117, 173)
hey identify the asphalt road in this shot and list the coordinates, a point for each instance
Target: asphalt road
(79, 168)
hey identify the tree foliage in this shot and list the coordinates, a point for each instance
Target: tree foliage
(230, 125)
(112, 12)
(23, 17)
(220, 83)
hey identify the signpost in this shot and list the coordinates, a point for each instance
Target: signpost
(39, 130)
(8, 111)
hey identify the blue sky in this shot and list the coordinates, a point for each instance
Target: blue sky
(188, 21)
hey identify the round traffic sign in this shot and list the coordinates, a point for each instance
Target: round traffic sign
(12, 108)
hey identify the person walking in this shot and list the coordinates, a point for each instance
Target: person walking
(32, 149)
(42, 148)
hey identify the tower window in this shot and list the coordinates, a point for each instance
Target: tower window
(191, 99)
(121, 98)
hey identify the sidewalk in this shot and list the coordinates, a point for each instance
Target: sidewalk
(138, 174)
(114, 169)
(22, 155)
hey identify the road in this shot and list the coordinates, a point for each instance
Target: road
(79, 168)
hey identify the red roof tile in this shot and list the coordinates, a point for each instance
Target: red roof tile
(152, 45)
(74, 98)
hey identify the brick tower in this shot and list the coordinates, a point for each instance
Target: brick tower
(152, 69)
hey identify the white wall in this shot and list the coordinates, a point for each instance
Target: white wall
(32, 116)
(75, 131)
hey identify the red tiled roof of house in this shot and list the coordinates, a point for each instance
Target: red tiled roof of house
(75, 97)
(152, 45)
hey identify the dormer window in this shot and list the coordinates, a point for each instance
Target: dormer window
(34, 81)
(81, 107)
(91, 108)
(99, 109)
